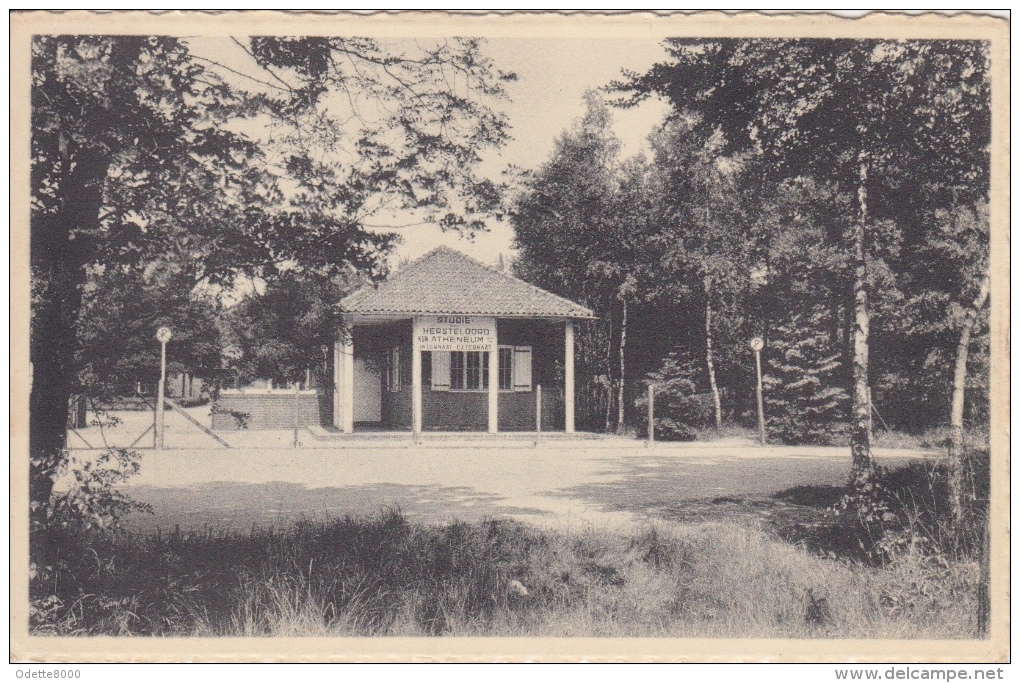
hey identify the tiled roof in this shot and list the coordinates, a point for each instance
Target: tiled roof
(447, 281)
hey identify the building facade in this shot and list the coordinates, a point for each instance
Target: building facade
(450, 344)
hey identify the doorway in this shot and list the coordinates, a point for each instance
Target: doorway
(367, 391)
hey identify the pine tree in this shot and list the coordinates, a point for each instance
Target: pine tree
(805, 399)
(680, 408)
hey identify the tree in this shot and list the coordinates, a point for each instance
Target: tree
(866, 114)
(120, 309)
(368, 127)
(800, 309)
(581, 227)
(807, 403)
(282, 332)
(702, 229)
(677, 410)
(559, 216)
(632, 251)
(565, 207)
(137, 150)
(953, 279)
(116, 123)
(957, 453)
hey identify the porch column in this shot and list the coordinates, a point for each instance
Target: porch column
(347, 393)
(415, 388)
(494, 386)
(338, 383)
(568, 380)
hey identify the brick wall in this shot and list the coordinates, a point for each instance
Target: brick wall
(517, 411)
(466, 411)
(267, 410)
(469, 411)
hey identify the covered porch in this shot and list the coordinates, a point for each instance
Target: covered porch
(451, 345)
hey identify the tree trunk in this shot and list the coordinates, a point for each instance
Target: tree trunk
(860, 437)
(708, 356)
(62, 246)
(623, 370)
(609, 372)
(956, 444)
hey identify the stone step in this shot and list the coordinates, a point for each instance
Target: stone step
(328, 434)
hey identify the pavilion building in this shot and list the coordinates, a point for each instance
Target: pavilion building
(450, 344)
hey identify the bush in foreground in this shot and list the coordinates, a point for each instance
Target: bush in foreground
(388, 576)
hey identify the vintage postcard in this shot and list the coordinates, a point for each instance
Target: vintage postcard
(509, 336)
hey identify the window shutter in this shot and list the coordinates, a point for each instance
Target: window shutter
(522, 368)
(440, 371)
(389, 369)
(396, 368)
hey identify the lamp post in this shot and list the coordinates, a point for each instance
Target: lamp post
(651, 415)
(757, 344)
(163, 335)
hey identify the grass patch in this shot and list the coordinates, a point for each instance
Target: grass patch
(387, 576)
(729, 430)
(976, 437)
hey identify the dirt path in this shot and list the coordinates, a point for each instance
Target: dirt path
(610, 484)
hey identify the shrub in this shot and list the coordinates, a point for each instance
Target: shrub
(92, 500)
(680, 408)
(84, 500)
(668, 429)
(907, 508)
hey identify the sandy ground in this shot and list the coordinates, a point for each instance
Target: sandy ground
(263, 481)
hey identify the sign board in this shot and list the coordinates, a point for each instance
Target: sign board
(163, 335)
(454, 332)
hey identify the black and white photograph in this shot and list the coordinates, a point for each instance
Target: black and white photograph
(552, 336)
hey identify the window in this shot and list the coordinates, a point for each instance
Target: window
(476, 373)
(506, 368)
(457, 370)
(469, 370)
(393, 369)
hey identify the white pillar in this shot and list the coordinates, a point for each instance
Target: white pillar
(538, 408)
(494, 386)
(415, 389)
(568, 380)
(347, 394)
(338, 382)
